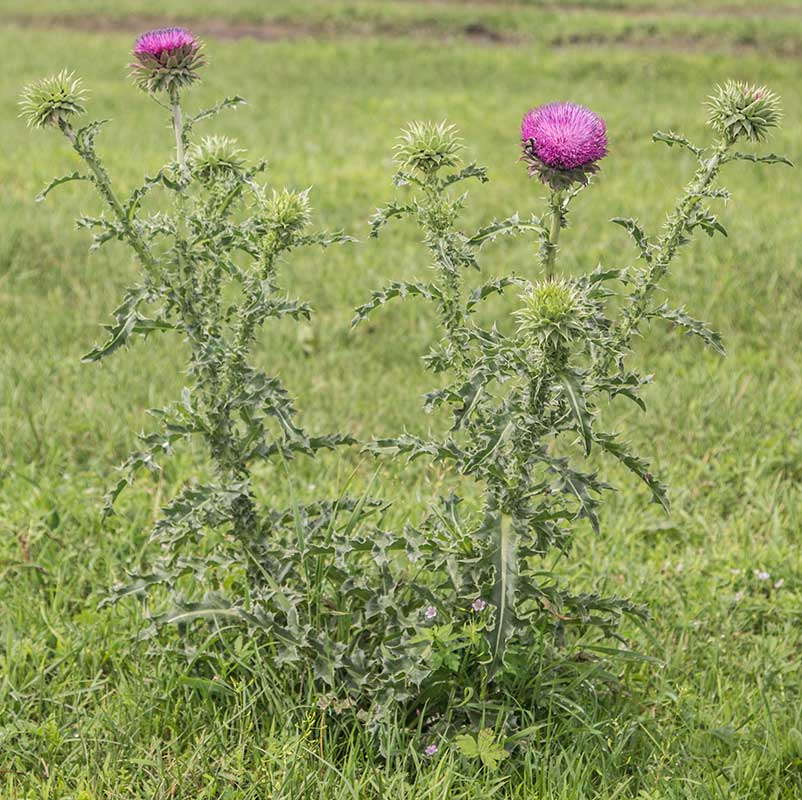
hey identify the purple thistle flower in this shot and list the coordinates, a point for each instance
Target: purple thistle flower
(431, 750)
(161, 40)
(167, 59)
(430, 613)
(562, 143)
(479, 604)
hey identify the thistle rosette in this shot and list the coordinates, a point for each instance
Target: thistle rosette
(167, 59)
(427, 147)
(563, 143)
(741, 110)
(53, 100)
(555, 312)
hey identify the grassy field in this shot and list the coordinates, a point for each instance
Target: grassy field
(87, 711)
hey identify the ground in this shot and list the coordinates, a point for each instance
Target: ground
(87, 711)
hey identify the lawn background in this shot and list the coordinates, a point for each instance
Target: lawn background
(86, 711)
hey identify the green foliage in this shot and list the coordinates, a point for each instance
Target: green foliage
(483, 747)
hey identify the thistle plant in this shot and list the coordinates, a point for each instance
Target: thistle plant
(209, 274)
(524, 396)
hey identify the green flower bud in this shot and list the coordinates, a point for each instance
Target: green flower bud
(215, 157)
(554, 311)
(428, 146)
(52, 100)
(740, 110)
(287, 212)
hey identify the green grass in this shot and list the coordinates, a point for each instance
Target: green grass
(86, 711)
(734, 25)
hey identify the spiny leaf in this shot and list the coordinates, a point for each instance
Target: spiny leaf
(74, 176)
(692, 326)
(496, 286)
(227, 103)
(638, 235)
(503, 227)
(127, 318)
(636, 465)
(471, 171)
(770, 158)
(504, 562)
(396, 289)
(572, 384)
(670, 138)
(383, 215)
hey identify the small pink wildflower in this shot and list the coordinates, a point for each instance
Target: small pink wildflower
(430, 613)
(479, 604)
(761, 575)
(431, 750)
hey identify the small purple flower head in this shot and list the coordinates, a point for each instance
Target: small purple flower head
(167, 59)
(430, 750)
(430, 613)
(562, 143)
(479, 604)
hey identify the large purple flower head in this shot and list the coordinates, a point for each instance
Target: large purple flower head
(167, 59)
(562, 143)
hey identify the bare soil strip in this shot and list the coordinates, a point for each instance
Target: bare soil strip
(476, 32)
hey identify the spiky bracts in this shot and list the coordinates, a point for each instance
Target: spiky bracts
(52, 100)
(562, 143)
(427, 147)
(214, 157)
(740, 110)
(554, 312)
(166, 59)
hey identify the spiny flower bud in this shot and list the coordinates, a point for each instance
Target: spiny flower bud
(428, 146)
(741, 110)
(215, 157)
(52, 100)
(167, 59)
(562, 143)
(554, 311)
(287, 212)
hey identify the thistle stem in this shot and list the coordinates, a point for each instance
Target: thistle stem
(104, 187)
(550, 246)
(671, 240)
(178, 128)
